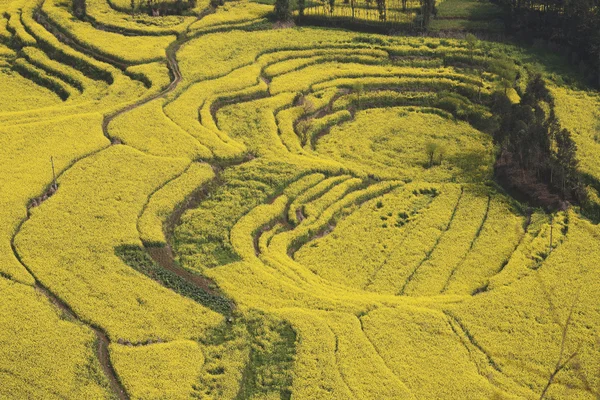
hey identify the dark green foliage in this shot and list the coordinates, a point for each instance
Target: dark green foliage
(369, 40)
(462, 108)
(537, 157)
(160, 7)
(283, 10)
(79, 9)
(141, 261)
(270, 343)
(427, 12)
(505, 69)
(273, 346)
(471, 45)
(571, 27)
(301, 6)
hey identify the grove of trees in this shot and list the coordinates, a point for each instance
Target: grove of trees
(572, 24)
(537, 157)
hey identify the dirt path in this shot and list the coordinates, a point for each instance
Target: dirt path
(176, 78)
(164, 255)
(102, 341)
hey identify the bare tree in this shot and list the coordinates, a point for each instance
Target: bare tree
(564, 357)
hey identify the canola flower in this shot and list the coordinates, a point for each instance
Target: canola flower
(392, 278)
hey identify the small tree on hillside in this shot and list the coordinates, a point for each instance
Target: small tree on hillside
(381, 8)
(358, 89)
(472, 43)
(441, 153)
(566, 157)
(506, 71)
(431, 150)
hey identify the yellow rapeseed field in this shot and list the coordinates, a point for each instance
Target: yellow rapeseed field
(200, 206)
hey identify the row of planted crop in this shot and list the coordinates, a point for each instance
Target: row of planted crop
(66, 65)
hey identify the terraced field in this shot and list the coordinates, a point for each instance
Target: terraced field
(241, 212)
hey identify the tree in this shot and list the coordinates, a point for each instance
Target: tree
(301, 6)
(283, 11)
(472, 43)
(441, 153)
(381, 8)
(302, 130)
(506, 71)
(431, 150)
(571, 24)
(358, 89)
(537, 91)
(308, 106)
(427, 9)
(538, 156)
(566, 158)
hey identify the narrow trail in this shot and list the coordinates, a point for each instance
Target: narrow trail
(265, 228)
(373, 276)
(338, 363)
(376, 349)
(176, 78)
(485, 287)
(466, 338)
(102, 341)
(164, 255)
(102, 344)
(472, 340)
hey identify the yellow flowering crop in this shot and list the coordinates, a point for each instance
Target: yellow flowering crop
(166, 199)
(249, 212)
(143, 130)
(80, 243)
(44, 354)
(159, 371)
(130, 49)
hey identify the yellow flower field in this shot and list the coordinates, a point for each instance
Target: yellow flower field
(201, 206)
